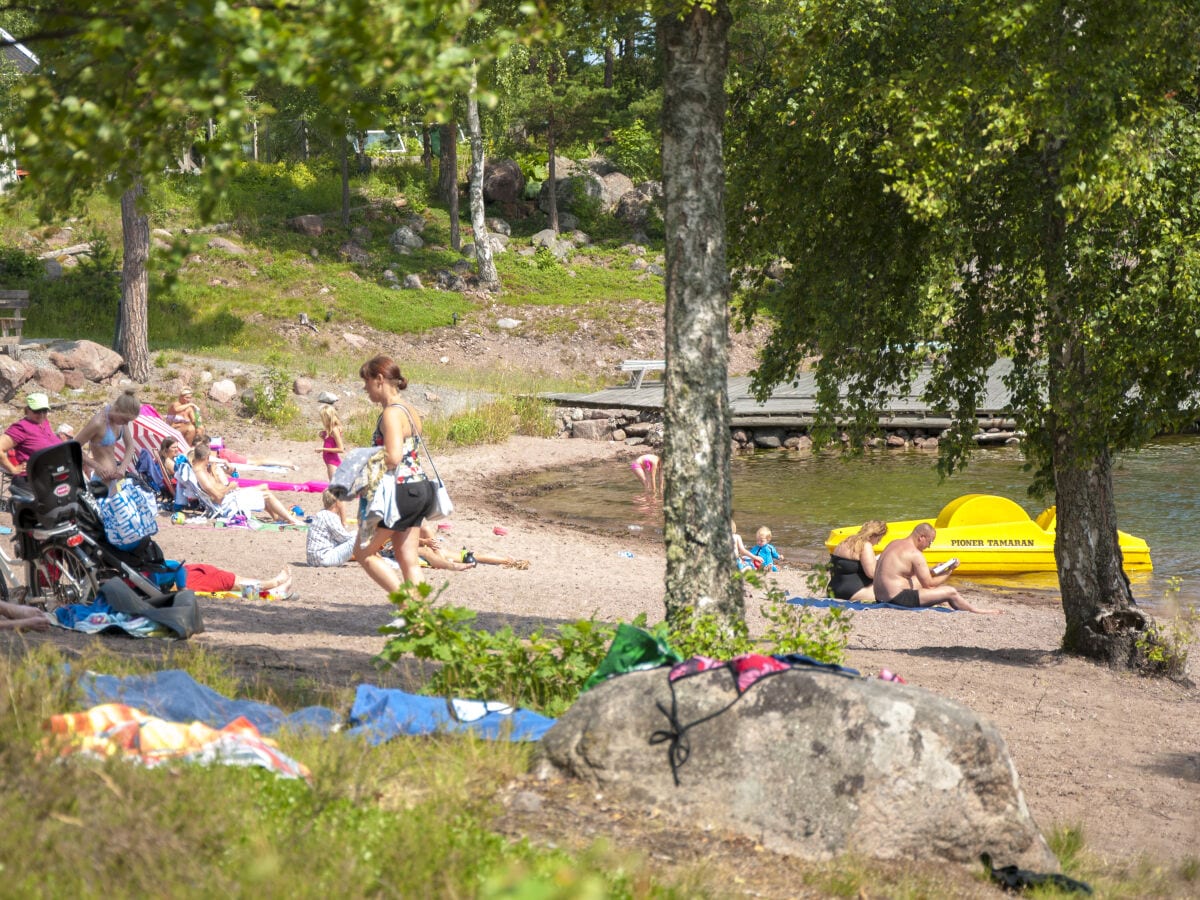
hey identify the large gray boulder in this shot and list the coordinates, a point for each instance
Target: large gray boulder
(89, 359)
(13, 374)
(503, 181)
(573, 193)
(810, 763)
(613, 187)
(634, 206)
(404, 238)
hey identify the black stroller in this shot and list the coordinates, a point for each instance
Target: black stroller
(60, 538)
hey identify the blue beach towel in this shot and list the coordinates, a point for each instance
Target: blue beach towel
(177, 697)
(830, 603)
(378, 715)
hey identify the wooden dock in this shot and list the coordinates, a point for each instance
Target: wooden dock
(795, 405)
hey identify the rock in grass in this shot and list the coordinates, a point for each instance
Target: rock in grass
(807, 762)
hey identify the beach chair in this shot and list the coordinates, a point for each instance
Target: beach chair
(189, 492)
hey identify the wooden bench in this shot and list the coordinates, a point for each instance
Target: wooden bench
(637, 369)
(12, 307)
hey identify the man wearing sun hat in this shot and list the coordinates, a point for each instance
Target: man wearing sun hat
(26, 436)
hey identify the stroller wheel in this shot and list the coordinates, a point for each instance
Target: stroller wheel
(63, 577)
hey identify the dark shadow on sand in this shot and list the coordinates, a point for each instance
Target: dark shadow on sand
(1009, 656)
(1178, 765)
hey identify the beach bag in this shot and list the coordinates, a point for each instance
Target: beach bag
(128, 515)
(443, 506)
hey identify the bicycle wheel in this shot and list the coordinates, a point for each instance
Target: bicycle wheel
(63, 576)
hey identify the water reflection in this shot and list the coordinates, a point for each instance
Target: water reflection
(801, 497)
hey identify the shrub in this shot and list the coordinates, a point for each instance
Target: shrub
(636, 152)
(491, 423)
(271, 399)
(540, 671)
(794, 629)
(18, 265)
(83, 302)
(546, 671)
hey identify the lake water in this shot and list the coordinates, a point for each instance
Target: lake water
(802, 497)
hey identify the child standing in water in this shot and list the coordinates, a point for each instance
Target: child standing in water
(648, 470)
(332, 449)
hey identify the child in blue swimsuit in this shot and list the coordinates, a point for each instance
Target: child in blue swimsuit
(765, 550)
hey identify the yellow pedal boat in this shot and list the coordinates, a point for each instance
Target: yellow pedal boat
(994, 536)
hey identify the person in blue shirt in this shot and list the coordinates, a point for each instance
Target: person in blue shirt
(765, 550)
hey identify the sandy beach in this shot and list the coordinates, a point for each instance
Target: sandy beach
(1110, 752)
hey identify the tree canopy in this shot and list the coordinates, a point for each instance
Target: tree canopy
(974, 180)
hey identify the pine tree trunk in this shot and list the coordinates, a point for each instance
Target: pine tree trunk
(344, 165)
(552, 176)
(697, 500)
(483, 247)
(133, 318)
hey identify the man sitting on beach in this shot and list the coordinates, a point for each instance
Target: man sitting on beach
(902, 576)
(232, 499)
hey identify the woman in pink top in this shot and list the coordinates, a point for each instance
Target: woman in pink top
(27, 436)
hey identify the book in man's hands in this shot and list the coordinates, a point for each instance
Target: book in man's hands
(943, 567)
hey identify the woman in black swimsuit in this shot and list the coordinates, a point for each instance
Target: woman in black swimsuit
(852, 565)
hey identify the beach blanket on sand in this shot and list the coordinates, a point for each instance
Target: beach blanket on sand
(115, 729)
(310, 487)
(378, 714)
(830, 603)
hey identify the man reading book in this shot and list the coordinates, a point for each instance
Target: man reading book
(903, 578)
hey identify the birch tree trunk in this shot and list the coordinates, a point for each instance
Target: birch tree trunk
(133, 315)
(697, 497)
(483, 247)
(448, 180)
(1102, 621)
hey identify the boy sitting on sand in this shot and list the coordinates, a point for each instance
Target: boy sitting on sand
(765, 551)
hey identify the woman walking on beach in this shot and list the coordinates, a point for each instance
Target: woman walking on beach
(398, 495)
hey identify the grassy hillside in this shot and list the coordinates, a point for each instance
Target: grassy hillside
(206, 300)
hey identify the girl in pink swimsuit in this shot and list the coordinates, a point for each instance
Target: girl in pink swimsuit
(331, 450)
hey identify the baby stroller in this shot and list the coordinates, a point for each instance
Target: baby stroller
(60, 536)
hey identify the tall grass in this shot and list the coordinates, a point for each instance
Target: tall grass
(408, 818)
(490, 423)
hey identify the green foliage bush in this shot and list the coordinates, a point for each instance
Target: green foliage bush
(271, 192)
(636, 152)
(534, 165)
(539, 671)
(823, 635)
(83, 302)
(492, 423)
(271, 399)
(17, 266)
(546, 671)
